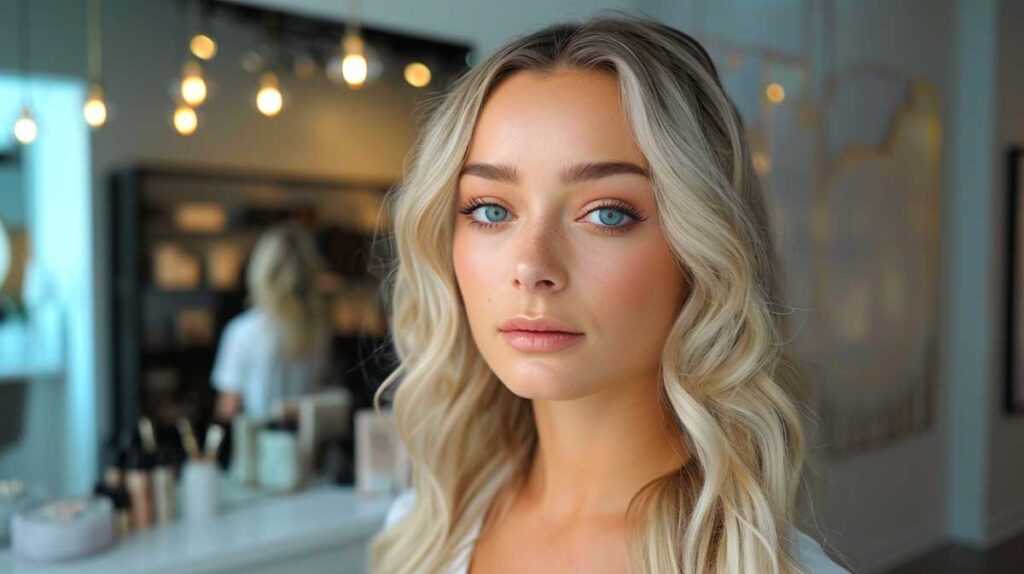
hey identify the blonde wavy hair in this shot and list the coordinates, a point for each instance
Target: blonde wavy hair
(735, 396)
(281, 278)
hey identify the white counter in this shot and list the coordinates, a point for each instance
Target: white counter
(321, 529)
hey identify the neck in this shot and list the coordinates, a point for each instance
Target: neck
(595, 453)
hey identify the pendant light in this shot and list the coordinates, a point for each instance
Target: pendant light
(25, 129)
(95, 108)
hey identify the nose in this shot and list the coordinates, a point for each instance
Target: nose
(538, 264)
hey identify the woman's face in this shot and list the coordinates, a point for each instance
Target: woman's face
(539, 234)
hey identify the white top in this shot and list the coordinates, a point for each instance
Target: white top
(249, 362)
(811, 555)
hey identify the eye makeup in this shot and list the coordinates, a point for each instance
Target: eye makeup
(635, 215)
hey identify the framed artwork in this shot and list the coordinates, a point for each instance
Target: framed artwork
(1014, 397)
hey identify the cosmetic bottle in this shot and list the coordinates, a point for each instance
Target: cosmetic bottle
(139, 484)
(279, 460)
(164, 487)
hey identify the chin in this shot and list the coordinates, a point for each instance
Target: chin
(542, 384)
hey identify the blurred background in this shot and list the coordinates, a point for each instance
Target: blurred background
(148, 146)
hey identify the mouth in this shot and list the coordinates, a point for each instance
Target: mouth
(540, 341)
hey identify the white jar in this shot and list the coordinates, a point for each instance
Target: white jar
(280, 470)
(200, 481)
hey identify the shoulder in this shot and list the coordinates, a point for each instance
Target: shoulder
(245, 324)
(400, 506)
(813, 558)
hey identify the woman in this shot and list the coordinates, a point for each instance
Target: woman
(591, 181)
(279, 348)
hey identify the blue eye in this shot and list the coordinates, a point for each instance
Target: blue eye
(609, 216)
(492, 210)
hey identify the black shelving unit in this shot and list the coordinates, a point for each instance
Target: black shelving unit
(161, 365)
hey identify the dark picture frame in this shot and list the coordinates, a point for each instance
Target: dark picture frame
(1014, 351)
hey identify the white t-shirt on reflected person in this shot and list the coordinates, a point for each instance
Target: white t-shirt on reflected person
(810, 554)
(249, 362)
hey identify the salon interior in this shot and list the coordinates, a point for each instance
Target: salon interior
(150, 149)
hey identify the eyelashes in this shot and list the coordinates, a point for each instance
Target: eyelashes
(613, 205)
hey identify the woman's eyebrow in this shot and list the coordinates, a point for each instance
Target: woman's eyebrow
(570, 175)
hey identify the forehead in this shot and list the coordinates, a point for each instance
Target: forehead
(551, 119)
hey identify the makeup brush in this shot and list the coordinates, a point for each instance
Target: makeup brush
(214, 436)
(147, 434)
(188, 439)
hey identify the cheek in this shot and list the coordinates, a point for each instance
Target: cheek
(634, 287)
(474, 267)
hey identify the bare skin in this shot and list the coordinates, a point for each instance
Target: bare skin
(602, 432)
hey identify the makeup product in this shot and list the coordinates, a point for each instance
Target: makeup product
(322, 417)
(147, 435)
(164, 488)
(200, 481)
(188, 439)
(139, 484)
(113, 466)
(380, 460)
(279, 464)
(122, 507)
(245, 449)
(214, 436)
(63, 529)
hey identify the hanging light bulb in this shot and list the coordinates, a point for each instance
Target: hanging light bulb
(185, 120)
(417, 74)
(775, 93)
(25, 129)
(193, 86)
(203, 46)
(95, 109)
(269, 100)
(353, 66)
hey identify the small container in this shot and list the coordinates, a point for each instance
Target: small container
(200, 481)
(245, 452)
(63, 529)
(280, 464)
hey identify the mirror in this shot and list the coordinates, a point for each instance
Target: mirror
(13, 230)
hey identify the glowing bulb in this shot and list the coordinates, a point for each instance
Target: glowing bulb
(203, 46)
(185, 120)
(417, 74)
(25, 129)
(193, 87)
(95, 110)
(354, 68)
(775, 93)
(269, 100)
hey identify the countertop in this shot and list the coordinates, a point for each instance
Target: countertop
(282, 529)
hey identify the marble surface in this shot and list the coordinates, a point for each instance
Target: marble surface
(254, 535)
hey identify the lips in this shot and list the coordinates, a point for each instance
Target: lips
(537, 325)
(538, 334)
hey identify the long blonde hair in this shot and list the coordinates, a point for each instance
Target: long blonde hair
(281, 278)
(735, 395)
